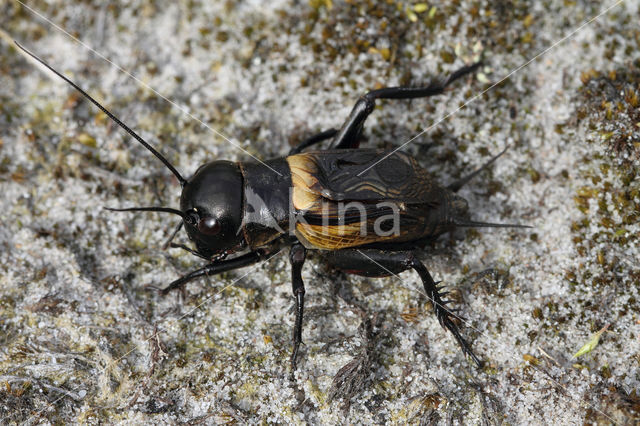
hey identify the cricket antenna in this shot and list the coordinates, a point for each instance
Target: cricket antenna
(110, 115)
(148, 209)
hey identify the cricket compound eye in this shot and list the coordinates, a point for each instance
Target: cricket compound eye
(209, 226)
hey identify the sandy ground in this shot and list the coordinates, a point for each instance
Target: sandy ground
(84, 340)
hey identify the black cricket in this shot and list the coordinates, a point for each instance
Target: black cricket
(222, 221)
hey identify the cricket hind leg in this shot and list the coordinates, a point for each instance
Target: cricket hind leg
(313, 140)
(444, 314)
(379, 263)
(373, 263)
(349, 133)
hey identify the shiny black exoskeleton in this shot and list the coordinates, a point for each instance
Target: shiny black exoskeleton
(238, 213)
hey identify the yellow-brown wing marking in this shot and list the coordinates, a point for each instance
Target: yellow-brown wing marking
(322, 179)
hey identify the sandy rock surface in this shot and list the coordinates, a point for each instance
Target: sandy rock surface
(84, 340)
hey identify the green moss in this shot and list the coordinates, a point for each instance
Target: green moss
(610, 105)
(608, 200)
